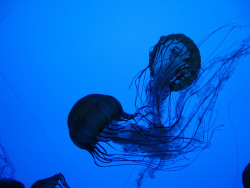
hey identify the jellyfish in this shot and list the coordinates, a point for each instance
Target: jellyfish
(93, 119)
(173, 121)
(57, 180)
(173, 63)
(246, 176)
(9, 183)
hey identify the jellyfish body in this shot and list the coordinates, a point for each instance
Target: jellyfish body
(57, 180)
(93, 119)
(97, 121)
(246, 176)
(174, 63)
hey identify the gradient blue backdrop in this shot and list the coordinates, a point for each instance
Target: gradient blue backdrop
(54, 52)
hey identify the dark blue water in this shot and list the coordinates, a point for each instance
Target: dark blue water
(54, 52)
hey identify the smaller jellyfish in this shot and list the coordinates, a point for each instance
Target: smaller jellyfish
(246, 176)
(174, 63)
(9, 183)
(57, 180)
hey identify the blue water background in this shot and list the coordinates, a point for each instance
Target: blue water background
(54, 52)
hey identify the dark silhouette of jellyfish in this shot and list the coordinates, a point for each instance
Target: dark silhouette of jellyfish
(9, 183)
(174, 121)
(57, 180)
(246, 176)
(93, 119)
(173, 63)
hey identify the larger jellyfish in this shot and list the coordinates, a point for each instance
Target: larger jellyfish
(176, 94)
(93, 119)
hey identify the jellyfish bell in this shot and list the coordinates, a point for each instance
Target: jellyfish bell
(174, 62)
(93, 119)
